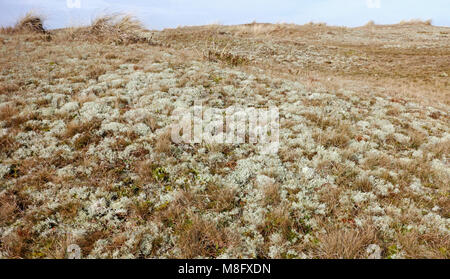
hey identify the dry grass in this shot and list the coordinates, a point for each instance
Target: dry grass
(401, 71)
(95, 71)
(7, 112)
(199, 237)
(218, 53)
(7, 145)
(272, 194)
(77, 127)
(370, 23)
(362, 184)
(221, 199)
(430, 245)
(257, 29)
(8, 209)
(164, 142)
(226, 57)
(278, 220)
(341, 163)
(345, 243)
(30, 23)
(335, 138)
(416, 21)
(8, 88)
(116, 28)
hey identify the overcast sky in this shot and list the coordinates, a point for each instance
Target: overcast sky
(158, 14)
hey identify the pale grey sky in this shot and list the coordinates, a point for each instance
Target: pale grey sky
(158, 14)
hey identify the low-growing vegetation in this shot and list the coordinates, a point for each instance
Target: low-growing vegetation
(87, 158)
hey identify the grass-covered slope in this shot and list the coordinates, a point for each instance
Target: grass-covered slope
(86, 156)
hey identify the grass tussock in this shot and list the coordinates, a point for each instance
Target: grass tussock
(30, 23)
(257, 28)
(370, 23)
(416, 22)
(338, 243)
(202, 238)
(8, 88)
(217, 53)
(115, 28)
(226, 57)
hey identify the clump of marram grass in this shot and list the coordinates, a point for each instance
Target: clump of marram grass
(31, 22)
(216, 53)
(115, 28)
(416, 22)
(226, 57)
(370, 23)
